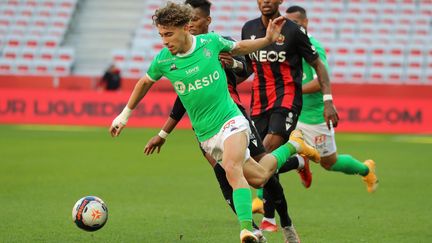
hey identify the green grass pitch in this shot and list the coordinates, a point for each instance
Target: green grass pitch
(174, 197)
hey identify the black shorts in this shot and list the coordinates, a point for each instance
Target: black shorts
(281, 121)
(256, 146)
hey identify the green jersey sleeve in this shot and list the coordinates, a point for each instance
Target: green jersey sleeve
(221, 43)
(313, 105)
(154, 72)
(321, 52)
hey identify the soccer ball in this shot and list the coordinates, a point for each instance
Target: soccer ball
(90, 213)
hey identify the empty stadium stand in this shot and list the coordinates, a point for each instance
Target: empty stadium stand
(375, 41)
(31, 34)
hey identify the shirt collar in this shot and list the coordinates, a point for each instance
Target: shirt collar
(190, 50)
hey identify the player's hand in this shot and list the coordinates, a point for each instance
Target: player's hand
(115, 130)
(154, 143)
(226, 59)
(330, 114)
(274, 28)
(120, 122)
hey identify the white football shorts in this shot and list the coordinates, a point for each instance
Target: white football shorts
(214, 145)
(320, 137)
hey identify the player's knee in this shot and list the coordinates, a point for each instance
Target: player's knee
(327, 162)
(231, 167)
(325, 165)
(257, 183)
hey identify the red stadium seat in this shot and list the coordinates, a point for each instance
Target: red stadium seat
(46, 54)
(32, 41)
(24, 67)
(50, 42)
(28, 54)
(14, 41)
(11, 53)
(65, 54)
(61, 68)
(7, 66)
(42, 67)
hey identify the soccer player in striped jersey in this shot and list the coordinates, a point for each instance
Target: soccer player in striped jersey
(312, 123)
(276, 90)
(191, 64)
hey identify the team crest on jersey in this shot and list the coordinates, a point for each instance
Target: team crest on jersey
(207, 53)
(280, 40)
(253, 37)
(173, 67)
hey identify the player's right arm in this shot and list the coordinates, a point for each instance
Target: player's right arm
(140, 90)
(274, 28)
(157, 141)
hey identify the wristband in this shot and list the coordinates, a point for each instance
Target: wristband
(235, 65)
(327, 97)
(122, 118)
(126, 111)
(163, 134)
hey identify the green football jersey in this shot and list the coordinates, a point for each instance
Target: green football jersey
(313, 105)
(200, 81)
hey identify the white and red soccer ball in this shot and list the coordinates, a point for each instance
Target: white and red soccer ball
(90, 213)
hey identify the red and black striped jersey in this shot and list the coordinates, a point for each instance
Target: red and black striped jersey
(278, 67)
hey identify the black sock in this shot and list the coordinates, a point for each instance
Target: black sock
(274, 192)
(225, 187)
(269, 210)
(291, 164)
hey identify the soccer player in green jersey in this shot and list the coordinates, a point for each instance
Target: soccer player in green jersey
(312, 123)
(191, 63)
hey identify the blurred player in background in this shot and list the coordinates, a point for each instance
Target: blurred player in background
(276, 89)
(312, 123)
(192, 65)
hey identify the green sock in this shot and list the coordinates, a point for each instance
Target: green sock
(242, 198)
(349, 165)
(260, 193)
(283, 153)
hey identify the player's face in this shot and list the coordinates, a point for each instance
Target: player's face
(174, 38)
(269, 7)
(297, 18)
(199, 23)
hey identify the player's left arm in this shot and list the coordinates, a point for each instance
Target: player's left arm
(309, 53)
(311, 87)
(156, 142)
(330, 114)
(274, 28)
(314, 86)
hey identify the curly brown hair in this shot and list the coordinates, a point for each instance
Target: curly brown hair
(173, 14)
